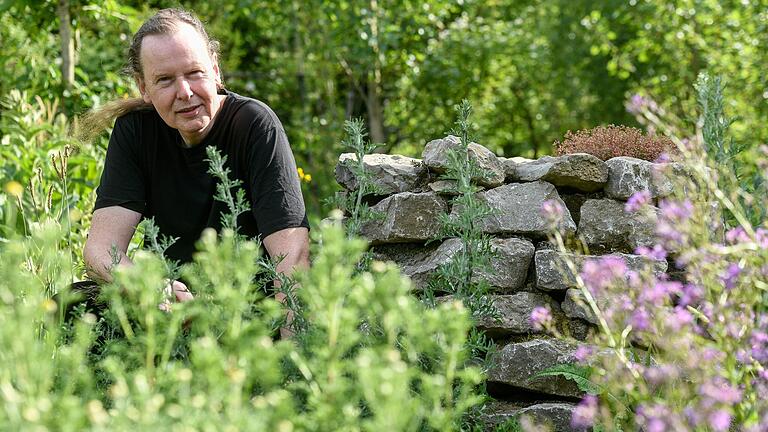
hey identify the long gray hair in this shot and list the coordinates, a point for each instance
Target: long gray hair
(164, 22)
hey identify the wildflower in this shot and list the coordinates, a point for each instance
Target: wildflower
(637, 201)
(660, 291)
(730, 276)
(657, 375)
(656, 253)
(663, 158)
(583, 353)
(541, 317)
(718, 390)
(600, 273)
(759, 346)
(720, 421)
(736, 235)
(14, 188)
(676, 211)
(305, 177)
(654, 417)
(690, 294)
(761, 238)
(679, 318)
(553, 212)
(585, 412)
(640, 319)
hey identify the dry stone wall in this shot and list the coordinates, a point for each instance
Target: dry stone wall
(526, 271)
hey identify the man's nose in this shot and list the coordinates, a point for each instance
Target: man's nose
(183, 89)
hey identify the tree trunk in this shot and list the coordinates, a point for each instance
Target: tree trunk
(67, 45)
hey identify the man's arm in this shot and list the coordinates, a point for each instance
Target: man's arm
(293, 245)
(111, 229)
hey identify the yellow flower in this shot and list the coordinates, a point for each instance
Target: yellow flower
(308, 178)
(14, 188)
(301, 173)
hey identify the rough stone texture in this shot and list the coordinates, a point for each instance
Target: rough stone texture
(510, 166)
(628, 175)
(390, 173)
(574, 202)
(579, 171)
(552, 273)
(517, 363)
(556, 415)
(604, 225)
(575, 306)
(436, 158)
(517, 209)
(408, 217)
(508, 268)
(579, 329)
(515, 313)
(444, 187)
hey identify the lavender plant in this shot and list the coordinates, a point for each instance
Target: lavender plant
(685, 353)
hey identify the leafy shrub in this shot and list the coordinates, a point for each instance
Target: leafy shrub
(606, 142)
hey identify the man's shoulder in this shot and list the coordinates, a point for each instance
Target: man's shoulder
(252, 112)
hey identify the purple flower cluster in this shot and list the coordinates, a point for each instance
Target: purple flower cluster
(585, 413)
(673, 217)
(598, 274)
(541, 317)
(657, 252)
(637, 201)
(553, 212)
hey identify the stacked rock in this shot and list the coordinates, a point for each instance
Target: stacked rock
(526, 271)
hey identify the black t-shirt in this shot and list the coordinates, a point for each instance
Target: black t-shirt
(149, 170)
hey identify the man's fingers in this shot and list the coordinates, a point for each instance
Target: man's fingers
(181, 292)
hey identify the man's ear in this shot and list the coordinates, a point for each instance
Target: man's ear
(142, 88)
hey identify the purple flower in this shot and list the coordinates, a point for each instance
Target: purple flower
(720, 421)
(660, 291)
(583, 353)
(731, 276)
(679, 318)
(653, 417)
(656, 253)
(736, 235)
(759, 345)
(719, 391)
(637, 201)
(600, 273)
(585, 412)
(640, 320)
(540, 317)
(690, 294)
(761, 238)
(663, 158)
(676, 211)
(553, 212)
(656, 375)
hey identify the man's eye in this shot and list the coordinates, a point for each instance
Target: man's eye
(163, 81)
(196, 74)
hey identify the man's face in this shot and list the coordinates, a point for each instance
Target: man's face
(179, 80)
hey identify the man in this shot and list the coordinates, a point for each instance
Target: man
(155, 165)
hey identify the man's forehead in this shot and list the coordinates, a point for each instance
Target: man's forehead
(182, 39)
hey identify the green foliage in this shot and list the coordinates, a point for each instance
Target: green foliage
(577, 373)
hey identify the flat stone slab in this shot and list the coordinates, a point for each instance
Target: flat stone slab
(390, 173)
(553, 274)
(605, 225)
(628, 175)
(516, 364)
(517, 209)
(556, 415)
(407, 217)
(435, 156)
(580, 171)
(515, 314)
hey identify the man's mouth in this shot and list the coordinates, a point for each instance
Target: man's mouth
(187, 110)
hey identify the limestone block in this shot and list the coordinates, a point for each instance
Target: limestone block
(553, 274)
(515, 313)
(407, 217)
(390, 173)
(435, 156)
(517, 209)
(517, 363)
(628, 175)
(578, 171)
(556, 415)
(605, 225)
(509, 265)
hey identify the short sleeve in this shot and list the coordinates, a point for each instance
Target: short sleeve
(122, 181)
(275, 190)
